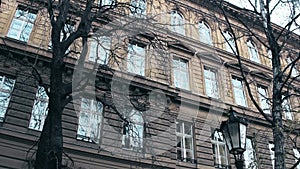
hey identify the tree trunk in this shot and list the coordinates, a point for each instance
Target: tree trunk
(50, 146)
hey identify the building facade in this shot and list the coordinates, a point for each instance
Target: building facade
(167, 67)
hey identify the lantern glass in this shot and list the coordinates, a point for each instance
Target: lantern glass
(234, 134)
(243, 128)
(226, 135)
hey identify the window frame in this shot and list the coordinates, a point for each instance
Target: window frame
(213, 81)
(177, 22)
(272, 154)
(216, 143)
(5, 91)
(262, 99)
(253, 52)
(297, 156)
(40, 97)
(242, 90)
(20, 17)
(229, 42)
(138, 11)
(134, 55)
(91, 111)
(183, 136)
(203, 26)
(294, 70)
(98, 48)
(177, 81)
(129, 136)
(286, 108)
(250, 163)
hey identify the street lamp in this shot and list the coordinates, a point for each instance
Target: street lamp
(234, 131)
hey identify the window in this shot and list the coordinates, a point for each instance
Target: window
(238, 91)
(100, 50)
(263, 99)
(204, 33)
(138, 8)
(6, 87)
(249, 155)
(133, 131)
(272, 154)
(297, 156)
(64, 34)
(136, 59)
(295, 72)
(229, 42)
(211, 84)
(90, 120)
(21, 25)
(286, 107)
(185, 142)
(253, 51)
(177, 23)
(220, 150)
(181, 74)
(105, 2)
(40, 110)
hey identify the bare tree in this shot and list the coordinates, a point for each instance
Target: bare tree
(277, 40)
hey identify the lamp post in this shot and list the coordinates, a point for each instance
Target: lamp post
(234, 131)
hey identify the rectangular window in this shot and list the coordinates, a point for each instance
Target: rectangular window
(181, 73)
(133, 131)
(40, 110)
(220, 150)
(249, 155)
(21, 25)
(185, 142)
(295, 72)
(100, 50)
(211, 84)
(136, 59)
(272, 154)
(263, 99)
(297, 156)
(286, 107)
(238, 91)
(6, 88)
(90, 120)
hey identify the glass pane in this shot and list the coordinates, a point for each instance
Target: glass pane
(188, 143)
(179, 142)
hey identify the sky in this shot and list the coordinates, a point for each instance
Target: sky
(280, 15)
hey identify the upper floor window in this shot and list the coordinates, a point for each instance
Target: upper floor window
(211, 85)
(40, 110)
(185, 142)
(100, 50)
(205, 33)
(272, 154)
(177, 23)
(21, 25)
(90, 120)
(263, 99)
(229, 42)
(133, 130)
(220, 153)
(238, 91)
(253, 51)
(297, 156)
(6, 88)
(249, 155)
(286, 107)
(295, 72)
(181, 73)
(138, 8)
(136, 59)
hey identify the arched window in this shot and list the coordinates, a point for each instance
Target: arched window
(177, 23)
(253, 51)
(229, 42)
(133, 130)
(205, 33)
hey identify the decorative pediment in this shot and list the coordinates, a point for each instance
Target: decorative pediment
(235, 65)
(181, 46)
(261, 74)
(209, 56)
